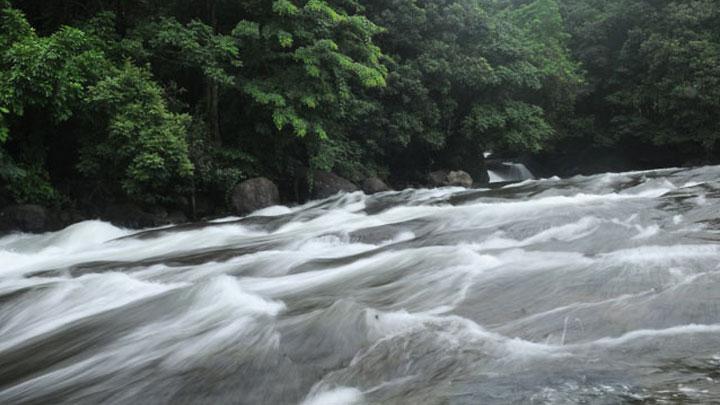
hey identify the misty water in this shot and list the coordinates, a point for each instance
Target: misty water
(600, 290)
(509, 172)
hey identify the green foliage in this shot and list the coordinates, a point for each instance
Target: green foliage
(467, 76)
(47, 72)
(129, 136)
(154, 100)
(9, 171)
(13, 26)
(218, 170)
(511, 126)
(654, 69)
(145, 149)
(678, 92)
(185, 46)
(308, 60)
(30, 185)
(4, 131)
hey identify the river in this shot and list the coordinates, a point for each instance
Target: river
(601, 290)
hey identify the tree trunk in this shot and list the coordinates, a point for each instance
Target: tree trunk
(211, 87)
(213, 113)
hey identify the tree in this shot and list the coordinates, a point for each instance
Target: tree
(652, 69)
(670, 70)
(467, 76)
(114, 111)
(145, 149)
(304, 68)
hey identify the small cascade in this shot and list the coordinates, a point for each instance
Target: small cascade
(509, 172)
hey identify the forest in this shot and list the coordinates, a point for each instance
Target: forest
(159, 102)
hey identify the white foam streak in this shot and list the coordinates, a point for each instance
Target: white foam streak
(568, 232)
(72, 239)
(662, 254)
(71, 300)
(337, 396)
(657, 333)
(57, 257)
(220, 316)
(379, 298)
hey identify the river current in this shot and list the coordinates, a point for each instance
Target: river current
(600, 290)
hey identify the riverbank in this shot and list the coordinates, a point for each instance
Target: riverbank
(246, 197)
(260, 192)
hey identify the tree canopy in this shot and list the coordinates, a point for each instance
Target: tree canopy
(151, 101)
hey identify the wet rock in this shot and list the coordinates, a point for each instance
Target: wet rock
(459, 178)
(446, 178)
(177, 217)
(37, 219)
(129, 215)
(59, 219)
(327, 184)
(254, 194)
(158, 212)
(203, 207)
(5, 200)
(374, 185)
(437, 178)
(25, 218)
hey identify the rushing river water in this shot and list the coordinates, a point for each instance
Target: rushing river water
(602, 289)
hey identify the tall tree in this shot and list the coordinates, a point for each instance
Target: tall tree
(468, 76)
(652, 69)
(115, 115)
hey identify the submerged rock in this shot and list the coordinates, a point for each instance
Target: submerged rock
(374, 185)
(254, 194)
(326, 184)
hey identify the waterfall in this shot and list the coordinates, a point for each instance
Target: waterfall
(509, 172)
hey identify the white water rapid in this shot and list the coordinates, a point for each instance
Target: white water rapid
(509, 172)
(595, 290)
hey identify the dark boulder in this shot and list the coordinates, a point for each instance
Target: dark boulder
(327, 184)
(131, 216)
(446, 178)
(254, 194)
(25, 218)
(373, 185)
(481, 177)
(203, 206)
(5, 200)
(437, 178)
(177, 217)
(62, 218)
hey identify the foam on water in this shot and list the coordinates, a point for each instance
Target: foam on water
(655, 333)
(69, 250)
(337, 396)
(71, 300)
(71, 239)
(272, 211)
(663, 254)
(544, 290)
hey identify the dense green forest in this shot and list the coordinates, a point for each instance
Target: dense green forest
(154, 101)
